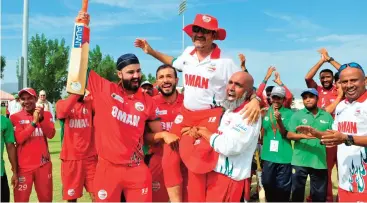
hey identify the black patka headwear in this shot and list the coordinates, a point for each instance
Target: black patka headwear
(125, 60)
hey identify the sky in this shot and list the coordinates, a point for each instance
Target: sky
(282, 33)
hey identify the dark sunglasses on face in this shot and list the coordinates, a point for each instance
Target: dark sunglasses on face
(352, 65)
(197, 29)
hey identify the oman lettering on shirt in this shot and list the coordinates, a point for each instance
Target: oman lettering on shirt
(119, 120)
(351, 119)
(79, 123)
(204, 81)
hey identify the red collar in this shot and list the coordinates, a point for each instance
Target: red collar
(241, 106)
(333, 88)
(139, 94)
(160, 98)
(361, 99)
(215, 53)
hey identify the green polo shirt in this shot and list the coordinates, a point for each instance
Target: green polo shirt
(309, 152)
(7, 136)
(284, 154)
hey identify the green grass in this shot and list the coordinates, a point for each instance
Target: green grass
(3, 110)
(55, 148)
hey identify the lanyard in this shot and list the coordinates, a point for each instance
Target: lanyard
(273, 126)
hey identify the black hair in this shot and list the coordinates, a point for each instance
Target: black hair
(164, 66)
(269, 89)
(336, 76)
(327, 71)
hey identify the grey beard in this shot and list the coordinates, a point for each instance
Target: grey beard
(232, 105)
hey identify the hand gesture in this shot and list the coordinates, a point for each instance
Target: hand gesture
(277, 78)
(340, 91)
(14, 180)
(271, 69)
(324, 54)
(333, 138)
(308, 131)
(191, 131)
(144, 45)
(251, 111)
(277, 115)
(171, 139)
(242, 58)
(36, 115)
(83, 18)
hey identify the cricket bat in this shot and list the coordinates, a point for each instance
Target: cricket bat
(78, 63)
(258, 177)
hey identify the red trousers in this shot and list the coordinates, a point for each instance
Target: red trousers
(345, 196)
(221, 188)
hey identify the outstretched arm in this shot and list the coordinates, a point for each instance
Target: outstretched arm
(144, 45)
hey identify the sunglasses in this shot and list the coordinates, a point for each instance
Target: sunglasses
(198, 29)
(351, 65)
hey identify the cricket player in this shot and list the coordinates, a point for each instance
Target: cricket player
(169, 103)
(8, 140)
(235, 141)
(78, 152)
(32, 127)
(206, 72)
(349, 134)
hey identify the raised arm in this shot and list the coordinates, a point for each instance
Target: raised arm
(63, 107)
(243, 62)
(329, 59)
(144, 45)
(310, 82)
(331, 107)
(288, 94)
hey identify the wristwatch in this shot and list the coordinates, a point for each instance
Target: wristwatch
(330, 59)
(34, 124)
(349, 141)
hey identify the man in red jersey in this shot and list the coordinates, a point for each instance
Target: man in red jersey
(169, 103)
(78, 153)
(32, 128)
(121, 113)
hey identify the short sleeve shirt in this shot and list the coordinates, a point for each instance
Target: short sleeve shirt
(310, 152)
(204, 81)
(7, 136)
(283, 155)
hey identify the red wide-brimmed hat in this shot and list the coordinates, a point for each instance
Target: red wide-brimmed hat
(197, 154)
(208, 22)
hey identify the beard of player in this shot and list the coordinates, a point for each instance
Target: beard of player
(232, 105)
(127, 84)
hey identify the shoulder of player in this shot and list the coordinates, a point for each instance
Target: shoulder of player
(16, 116)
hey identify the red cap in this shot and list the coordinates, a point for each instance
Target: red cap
(197, 154)
(208, 22)
(28, 90)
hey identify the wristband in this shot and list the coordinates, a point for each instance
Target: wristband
(265, 81)
(281, 85)
(34, 124)
(330, 59)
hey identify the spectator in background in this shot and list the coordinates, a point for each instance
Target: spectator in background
(147, 87)
(14, 106)
(46, 104)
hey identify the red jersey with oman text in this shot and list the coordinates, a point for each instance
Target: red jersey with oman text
(204, 81)
(167, 113)
(119, 120)
(78, 142)
(32, 146)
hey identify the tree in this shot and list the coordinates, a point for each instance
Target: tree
(3, 64)
(48, 62)
(103, 65)
(150, 78)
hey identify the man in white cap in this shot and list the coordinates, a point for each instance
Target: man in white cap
(277, 149)
(206, 73)
(42, 101)
(147, 87)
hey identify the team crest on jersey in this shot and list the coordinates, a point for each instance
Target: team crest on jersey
(197, 142)
(71, 192)
(117, 97)
(139, 106)
(266, 118)
(102, 194)
(304, 121)
(21, 179)
(85, 111)
(358, 112)
(156, 186)
(178, 119)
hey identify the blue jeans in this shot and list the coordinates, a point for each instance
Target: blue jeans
(277, 182)
(318, 183)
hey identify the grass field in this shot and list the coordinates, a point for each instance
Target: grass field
(55, 148)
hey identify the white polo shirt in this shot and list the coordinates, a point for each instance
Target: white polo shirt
(204, 81)
(351, 119)
(235, 142)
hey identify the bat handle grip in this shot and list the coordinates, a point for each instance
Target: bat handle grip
(85, 6)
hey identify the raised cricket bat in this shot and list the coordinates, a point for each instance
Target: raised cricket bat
(258, 177)
(78, 63)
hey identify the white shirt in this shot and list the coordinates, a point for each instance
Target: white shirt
(351, 119)
(14, 107)
(204, 81)
(236, 144)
